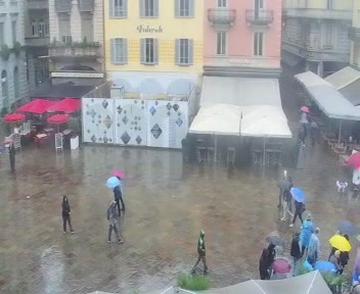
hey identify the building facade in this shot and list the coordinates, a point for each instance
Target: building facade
(154, 47)
(37, 39)
(354, 36)
(76, 41)
(316, 32)
(242, 37)
(13, 84)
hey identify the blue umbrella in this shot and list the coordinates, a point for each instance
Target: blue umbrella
(112, 182)
(298, 194)
(346, 227)
(325, 267)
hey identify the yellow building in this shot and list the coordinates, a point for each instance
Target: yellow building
(149, 44)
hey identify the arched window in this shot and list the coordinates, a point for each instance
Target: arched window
(16, 83)
(4, 89)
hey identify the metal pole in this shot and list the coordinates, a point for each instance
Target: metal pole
(340, 128)
(215, 147)
(264, 154)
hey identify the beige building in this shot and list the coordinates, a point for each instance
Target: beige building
(76, 41)
(316, 33)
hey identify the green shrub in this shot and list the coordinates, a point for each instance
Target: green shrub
(336, 283)
(194, 283)
(4, 52)
(17, 48)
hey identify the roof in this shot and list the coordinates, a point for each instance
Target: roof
(247, 121)
(352, 92)
(343, 77)
(240, 91)
(328, 98)
(236, 106)
(61, 91)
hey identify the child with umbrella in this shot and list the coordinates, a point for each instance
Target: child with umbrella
(299, 198)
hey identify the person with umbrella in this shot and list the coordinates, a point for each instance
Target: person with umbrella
(201, 249)
(266, 260)
(335, 260)
(12, 156)
(113, 217)
(313, 251)
(118, 190)
(356, 271)
(307, 229)
(299, 199)
(113, 183)
(295, 251)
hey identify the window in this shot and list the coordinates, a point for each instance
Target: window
(64, 29)
(149, 8)
(87, 28)
(330, 4)
(2, 36)
(118, 8)
(222, 3)
(149, 51)
(184, 52)
(4, 89)
(221, 43)
(329, 36)
(184, 8)
(34, 29)
(13, 30)
(119, 53)
(259, 5)
(16, 83)
(258, 44)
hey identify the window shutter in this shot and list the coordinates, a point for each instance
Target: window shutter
(177, 8)
(125, 8)
(177, 51)
(111, 8)
(156, 8)
(156, 51)
(191, 51)
(113, 51)
(125, 51)
(142, 51)
(142, 8)
(192, 8)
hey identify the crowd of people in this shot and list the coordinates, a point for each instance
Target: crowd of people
(305, 245)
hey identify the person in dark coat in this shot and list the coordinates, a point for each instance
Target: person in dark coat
(295, 251)
(266, 260)
(12, 157)
(66, 211)
(201, 252)
(113, 217)
(299, 210)
(118, 197)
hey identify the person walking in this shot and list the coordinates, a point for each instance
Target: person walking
(284, 185)
(299, 210)
(307, 229)
(201, 249)
(356, 271)
(295, 251)
(66, 211)
(266, 260)
(314, 132)
(335, 259)
(313, 251)
(12, 157)
(118, 197)
(113, 217)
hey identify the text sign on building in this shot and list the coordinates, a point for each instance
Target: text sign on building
(149, 29)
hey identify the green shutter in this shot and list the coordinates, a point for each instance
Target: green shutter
(156, 51)
(191, 51)
(177, 51)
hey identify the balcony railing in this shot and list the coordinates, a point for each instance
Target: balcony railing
(334, 14)
(37, 41)
(86, 5)
(37, 4)
(222, 16)
(259, 17)
(354, 34)
(63, 6)
(91, 50)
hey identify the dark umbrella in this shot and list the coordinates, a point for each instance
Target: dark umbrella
(346, 227)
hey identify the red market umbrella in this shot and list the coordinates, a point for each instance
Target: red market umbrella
(37, 106)
(119, 173)
(14, 118)
(67, 105)
(354, 160)
(58, 119)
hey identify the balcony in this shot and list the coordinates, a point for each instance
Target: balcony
(37, 41)
(260, 17)
(222, 17)
(63, 6)
(75, 50)
(37, 4)
(333, 14)
(354, 34)
(86, 5)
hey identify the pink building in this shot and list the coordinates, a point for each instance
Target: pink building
(242, 37)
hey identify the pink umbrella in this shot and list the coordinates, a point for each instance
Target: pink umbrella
(354, 160)
(281, 266)
(305, 109)
(119, 173)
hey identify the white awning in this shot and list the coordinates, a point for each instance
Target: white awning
(328, 98)
(343, 77)
(247, 121)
